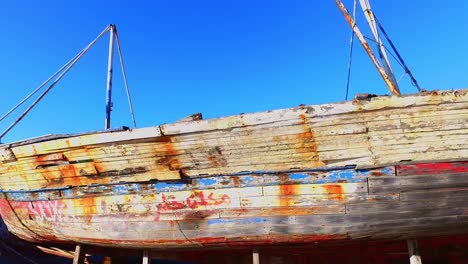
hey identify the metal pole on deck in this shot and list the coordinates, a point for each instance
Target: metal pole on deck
(413, 252)
(109, 77)
(255, 256)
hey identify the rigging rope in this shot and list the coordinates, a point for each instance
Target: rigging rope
(401, 61)
(45, 82)
(125, 78)
(37, 89)
(389, 52)
(351, 42)
(64, 69)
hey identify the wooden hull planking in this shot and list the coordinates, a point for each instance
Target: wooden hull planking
(363, 169)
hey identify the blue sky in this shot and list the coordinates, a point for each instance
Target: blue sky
(220, 58)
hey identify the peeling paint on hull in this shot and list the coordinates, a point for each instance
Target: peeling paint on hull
(380, 168)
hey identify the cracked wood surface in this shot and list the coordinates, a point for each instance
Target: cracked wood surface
(363, 169)
(365, 133)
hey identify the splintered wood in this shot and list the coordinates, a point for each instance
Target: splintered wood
(365, 133)
(378, 168)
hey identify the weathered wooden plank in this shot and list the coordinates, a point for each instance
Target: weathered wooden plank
(363, 132)
(454, 206)
(118, 232)
(316, 222)
(319, 126)
(145, 210)
(459, 154)
(6, 154)
(250, 135)
(410, 137)
(343, 154)
(295, 114)
(439, 193)
(199, 214)
(432, 168)
(107, 170)
(298, 189)
(415, 123)
(54, 179)
(418, 147)
(373, 104)
(139, 204)
(312, 200)
(291, 200)
(176, 205)
(453, 108)
(332, 157)
(414, 228)
(246, 158)
(419, 182)
(283, 211)
(454, 128)
(215, 182)
(230, 229)
(85, 140)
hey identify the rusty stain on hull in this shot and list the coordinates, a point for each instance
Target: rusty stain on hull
(336, 191)
(336, 171)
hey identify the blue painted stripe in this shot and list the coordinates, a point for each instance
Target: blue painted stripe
(248, 220)
(298, 176)
(212, 182)
(206, 182)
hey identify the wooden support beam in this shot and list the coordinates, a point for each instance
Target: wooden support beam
(146, 259)
(413, 252)
(255, 256)
(79, 257)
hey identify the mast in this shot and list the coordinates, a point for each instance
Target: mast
(388, 80)
(366, 8)
(110, 62)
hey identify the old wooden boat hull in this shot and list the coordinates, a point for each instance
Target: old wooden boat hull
(374, 168)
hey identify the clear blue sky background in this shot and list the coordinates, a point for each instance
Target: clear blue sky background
(218, 57)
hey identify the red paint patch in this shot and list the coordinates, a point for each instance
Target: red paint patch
(5, 209)
(44, 210)
(432, 168)
(196, 200)
(169, 203)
